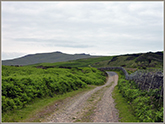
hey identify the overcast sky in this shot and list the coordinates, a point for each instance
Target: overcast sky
(96, 28)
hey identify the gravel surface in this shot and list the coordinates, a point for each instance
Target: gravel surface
(105, 109)
(74, 108)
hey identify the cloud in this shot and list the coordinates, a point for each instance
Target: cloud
(73, 45)
(93, 27)
(53, 42)
(11, 55)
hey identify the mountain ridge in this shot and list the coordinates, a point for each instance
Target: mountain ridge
(140, 60)
(45, 57)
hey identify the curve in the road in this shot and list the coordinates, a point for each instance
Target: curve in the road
(74, 107)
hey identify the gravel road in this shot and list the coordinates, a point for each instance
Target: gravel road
(105, 109)
(74, 108)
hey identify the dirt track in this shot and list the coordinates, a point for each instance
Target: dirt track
(100, 98)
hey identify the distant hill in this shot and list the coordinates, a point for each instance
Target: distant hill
(57, 59)
(45, 58)
(138, 60)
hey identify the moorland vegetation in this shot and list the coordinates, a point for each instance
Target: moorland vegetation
(22, 84)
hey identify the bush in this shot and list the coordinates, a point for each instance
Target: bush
(143, 103)
(20, 85)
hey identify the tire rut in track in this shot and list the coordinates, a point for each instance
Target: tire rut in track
(105, 110)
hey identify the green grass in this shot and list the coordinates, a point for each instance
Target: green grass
(121, 60)
(79, 63)
(139, 60)
(37, 106)
(125, 112)
(135, 105)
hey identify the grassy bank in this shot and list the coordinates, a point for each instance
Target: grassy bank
(135, 105)
(125, 111)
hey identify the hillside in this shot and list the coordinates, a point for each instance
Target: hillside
(140, 60)
(58, 59)
(45, 58)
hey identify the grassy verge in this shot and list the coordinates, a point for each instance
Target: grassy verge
(145, 106)
(125, 112)
(35, 111)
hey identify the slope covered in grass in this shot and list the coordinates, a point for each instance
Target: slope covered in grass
(140, 61)
(86, 62)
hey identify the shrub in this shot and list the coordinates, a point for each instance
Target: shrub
(20, 85)
(143, 103)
